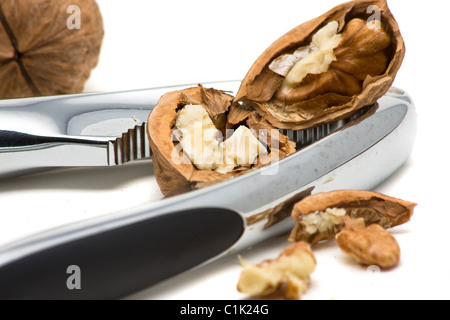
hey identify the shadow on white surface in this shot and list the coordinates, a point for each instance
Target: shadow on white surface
(42, 201)
(94, 178)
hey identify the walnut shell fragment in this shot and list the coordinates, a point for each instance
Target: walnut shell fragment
(291, 270)
(319, 216)
(48, 47)
(355, 72)
(281, 211)
(369, 246)
(174, 171)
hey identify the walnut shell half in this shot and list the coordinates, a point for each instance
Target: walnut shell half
(174, 171)
(365, 64)
(374, 207)
(42, 51)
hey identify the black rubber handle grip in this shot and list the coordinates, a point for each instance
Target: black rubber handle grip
(121, 261)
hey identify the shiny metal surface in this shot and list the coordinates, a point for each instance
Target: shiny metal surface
(101, 129)
(77, 130)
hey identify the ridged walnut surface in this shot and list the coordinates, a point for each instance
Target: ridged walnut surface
(39, 54)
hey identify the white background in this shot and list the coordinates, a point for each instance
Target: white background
(157, 43)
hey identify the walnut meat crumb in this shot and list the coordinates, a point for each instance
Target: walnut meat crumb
(370, 245)
(290, 271)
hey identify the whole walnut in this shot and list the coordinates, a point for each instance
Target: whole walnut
(47, 47)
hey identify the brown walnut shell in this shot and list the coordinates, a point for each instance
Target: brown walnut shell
(40, 54)
(174, 172)
(368, 60)
(388, 212)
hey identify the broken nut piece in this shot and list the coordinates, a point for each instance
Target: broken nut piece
(369, 246)
(319, 216)
(326, 69)
(291, 269)
(187, 133)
